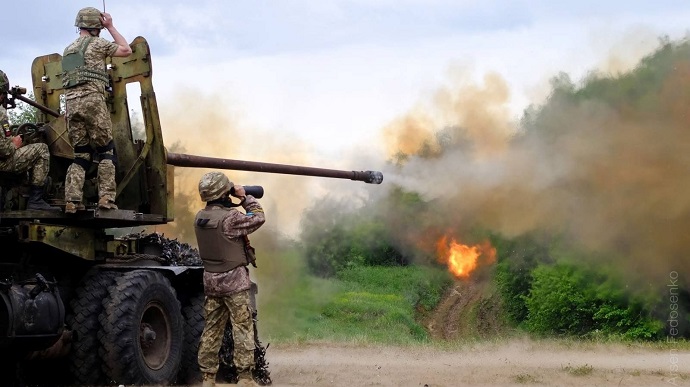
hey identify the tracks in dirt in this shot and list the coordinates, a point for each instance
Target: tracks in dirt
(469, 308)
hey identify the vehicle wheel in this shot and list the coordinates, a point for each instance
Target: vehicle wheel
(193, 314)
(141, 333)
(86, 307)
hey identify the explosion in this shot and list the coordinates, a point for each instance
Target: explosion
(462, 259)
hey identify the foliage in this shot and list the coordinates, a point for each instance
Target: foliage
(558, 301)
(23, 112)
(547, 286)
(573, 296)
(372, 304)
(337, 237)
(570, 299)
(516, 260)
(418, 285)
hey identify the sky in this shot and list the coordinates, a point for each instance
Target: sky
(330, 74)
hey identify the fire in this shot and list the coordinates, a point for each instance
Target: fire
(461, 259)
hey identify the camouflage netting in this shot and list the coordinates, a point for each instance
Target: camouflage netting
(176, 253)
(228, 372)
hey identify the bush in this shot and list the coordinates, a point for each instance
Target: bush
(516, 260)
(572, 300)
(336, 236)
(558, 301)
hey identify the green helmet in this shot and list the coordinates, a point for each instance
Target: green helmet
(4, 83)
(89, 17)
(214, 185)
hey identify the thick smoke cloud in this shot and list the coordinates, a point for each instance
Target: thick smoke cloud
(607, 171)
(208, 127)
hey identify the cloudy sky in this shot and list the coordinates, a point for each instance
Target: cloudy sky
(329, 74)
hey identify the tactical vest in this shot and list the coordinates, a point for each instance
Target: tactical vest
(218, 252)
(74, 70)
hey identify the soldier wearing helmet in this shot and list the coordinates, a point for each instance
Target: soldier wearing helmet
(19, 158)
(222, 236)
(88, 120)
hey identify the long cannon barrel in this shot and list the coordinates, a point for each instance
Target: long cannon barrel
(191, 161)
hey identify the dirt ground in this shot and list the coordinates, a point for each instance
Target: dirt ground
(511, 362)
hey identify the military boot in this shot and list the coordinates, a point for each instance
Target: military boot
(106, 204)
(208, 380)
(36, 201)
(72, 207)
(246, 380)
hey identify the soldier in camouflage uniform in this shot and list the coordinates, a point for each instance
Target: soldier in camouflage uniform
(222, 235)
(34, 158)
(88, 118)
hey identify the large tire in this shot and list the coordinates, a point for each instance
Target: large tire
(141, 333)
(193, 314)
(85, 309)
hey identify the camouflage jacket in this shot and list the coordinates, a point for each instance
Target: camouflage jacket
(94, 57)
(235, 225)
(6, 146)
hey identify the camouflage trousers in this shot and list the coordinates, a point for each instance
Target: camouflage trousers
(88, 124)
(34, 158)
(218, 310)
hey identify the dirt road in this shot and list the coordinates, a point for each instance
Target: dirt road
(506, 363)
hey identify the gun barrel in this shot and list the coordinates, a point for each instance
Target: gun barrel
(192, 161)
(36, 105)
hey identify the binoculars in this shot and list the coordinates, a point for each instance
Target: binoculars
(255, 190)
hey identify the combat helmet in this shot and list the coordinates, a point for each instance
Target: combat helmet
(4, 82)
(89, 18)
(214, 185)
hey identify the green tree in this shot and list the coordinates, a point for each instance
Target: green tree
(23, 112)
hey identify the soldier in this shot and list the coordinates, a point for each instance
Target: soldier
(88, 119)
(34, 158)
(222, 235)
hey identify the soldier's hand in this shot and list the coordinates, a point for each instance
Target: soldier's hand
(239, 191)
(106, 20)
(17, 141)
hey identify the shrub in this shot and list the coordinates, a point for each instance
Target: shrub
(559, 301)
(570, 299)
(516, 260)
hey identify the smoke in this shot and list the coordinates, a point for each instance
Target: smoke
(205, 126)
(604, 165)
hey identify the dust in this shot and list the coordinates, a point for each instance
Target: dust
(608, 170)
(207, 127)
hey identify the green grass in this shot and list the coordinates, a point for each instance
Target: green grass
(379, 305)
(363, 304)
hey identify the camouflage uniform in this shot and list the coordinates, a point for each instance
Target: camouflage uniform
(227, 296)
(33, 157)
(89, 124)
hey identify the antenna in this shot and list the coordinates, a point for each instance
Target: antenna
(103, 6)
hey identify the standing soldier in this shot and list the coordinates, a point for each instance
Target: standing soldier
(88, 120)
(34, 158)
(222, 235)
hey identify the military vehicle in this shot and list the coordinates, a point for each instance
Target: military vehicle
(107, 308)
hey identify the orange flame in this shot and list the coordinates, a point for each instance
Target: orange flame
(461, 259)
